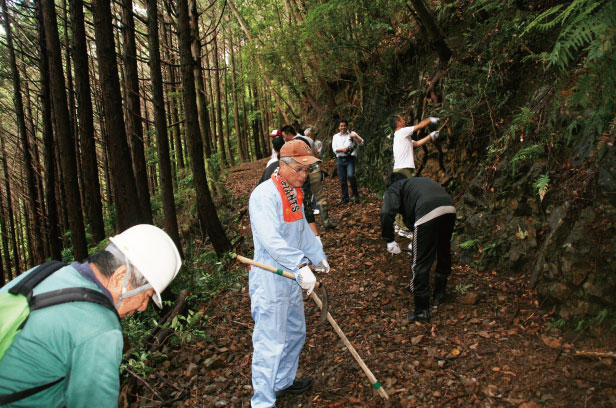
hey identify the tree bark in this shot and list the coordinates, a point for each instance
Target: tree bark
(128, 209)
(221, 138)
(37, 252)
(205, 207)
(213, 133)
(88, 159)
(9, 209)
(162, 140)
(230, 157)
(241, 140)
(49, 158)
(179, 150)
(63, 126)
(436, 38)
(133, 109)
(204, 119)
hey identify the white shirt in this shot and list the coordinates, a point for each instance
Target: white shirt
(273, 158)
(403, 148)
(341, 141)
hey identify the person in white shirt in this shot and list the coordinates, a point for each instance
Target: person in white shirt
(344, 145)
(404, 160)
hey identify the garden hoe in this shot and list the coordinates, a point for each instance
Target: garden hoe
(324, 312)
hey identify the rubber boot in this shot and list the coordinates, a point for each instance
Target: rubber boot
(326, 221)
(439, 295)
(422, 309)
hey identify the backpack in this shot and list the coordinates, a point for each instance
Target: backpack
(18, 302)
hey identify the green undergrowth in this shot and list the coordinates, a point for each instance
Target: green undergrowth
(204, 275)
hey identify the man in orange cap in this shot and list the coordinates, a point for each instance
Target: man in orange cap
(282, 239)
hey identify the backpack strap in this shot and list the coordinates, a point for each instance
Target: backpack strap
(27, 284)
(16, 396)
(67, 295)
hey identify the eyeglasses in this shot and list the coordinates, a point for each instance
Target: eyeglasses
(302, 170)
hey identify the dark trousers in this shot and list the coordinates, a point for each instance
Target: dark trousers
(431, 239)
(346, 170)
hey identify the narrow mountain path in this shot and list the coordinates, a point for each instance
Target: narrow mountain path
(490, 345)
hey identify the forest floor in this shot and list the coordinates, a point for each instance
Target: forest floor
(490, 345)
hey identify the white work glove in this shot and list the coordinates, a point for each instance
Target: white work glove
(393, 247)
(434, 120)
(319, 239)
(307, 280)
(434, 135)
(322, 267)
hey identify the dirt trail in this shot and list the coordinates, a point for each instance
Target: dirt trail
(488, 346)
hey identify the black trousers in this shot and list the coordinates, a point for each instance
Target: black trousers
(431, 239)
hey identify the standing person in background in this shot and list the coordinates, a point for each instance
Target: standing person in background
(69, 354)
(274, 134)
(428, 209)
(282, 239)
(297, 128)
(277, 143)
(344, 145)
(404, 159)
(289, 134)
(316, 181)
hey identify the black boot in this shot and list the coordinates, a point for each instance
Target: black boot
(439, 295)
(422, 309)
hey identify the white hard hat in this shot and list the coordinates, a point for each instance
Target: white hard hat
(153, 253)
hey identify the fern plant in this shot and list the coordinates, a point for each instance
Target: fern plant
(541, 185)
(588, 35)
(581, 23)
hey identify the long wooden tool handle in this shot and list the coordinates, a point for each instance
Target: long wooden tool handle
(249, 261)
(377, 385)
(280, 272)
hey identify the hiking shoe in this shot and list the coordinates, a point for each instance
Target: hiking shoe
(298, 387)
(422, 315)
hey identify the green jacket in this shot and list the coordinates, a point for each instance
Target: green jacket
(80, 341)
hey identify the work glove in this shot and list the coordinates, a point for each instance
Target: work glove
(322, 267)
(306, 279)
(393, 247)
(434, 135)
(434, 120)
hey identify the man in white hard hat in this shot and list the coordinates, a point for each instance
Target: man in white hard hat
(69, 354)
(282, 239)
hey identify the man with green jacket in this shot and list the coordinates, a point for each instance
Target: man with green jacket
(69, 354)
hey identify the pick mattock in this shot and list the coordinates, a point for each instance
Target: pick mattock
(377, 385)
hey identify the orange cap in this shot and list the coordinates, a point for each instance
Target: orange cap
(299, 150)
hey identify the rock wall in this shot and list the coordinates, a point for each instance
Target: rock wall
(566, 248)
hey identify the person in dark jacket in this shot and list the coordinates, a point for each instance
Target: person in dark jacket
(430, 212)
(277, 142)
